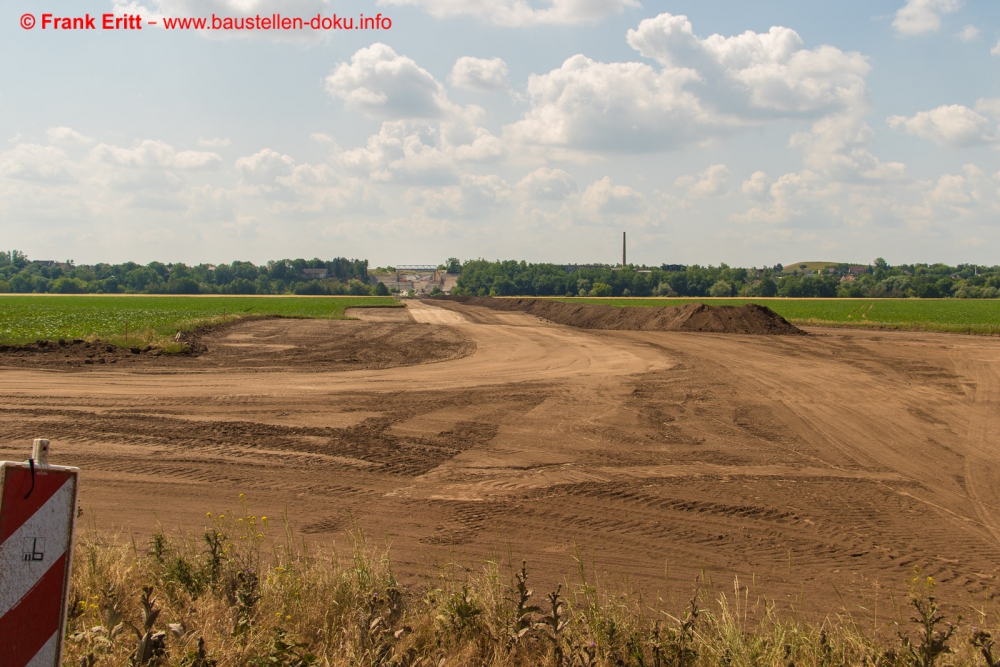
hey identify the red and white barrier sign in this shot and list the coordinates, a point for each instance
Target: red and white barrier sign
(37, 517)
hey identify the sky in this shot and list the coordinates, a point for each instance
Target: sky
(748, 132)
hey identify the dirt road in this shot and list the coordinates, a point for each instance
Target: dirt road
(831, 460)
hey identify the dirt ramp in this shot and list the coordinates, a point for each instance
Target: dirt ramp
(746, 319)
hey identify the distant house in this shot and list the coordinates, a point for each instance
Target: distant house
(857, 269)
(314, 274)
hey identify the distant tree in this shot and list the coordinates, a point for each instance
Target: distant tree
(721, 288)
(601, 289)
(311, 287)
(454, 265)
(381, 289)
(183, 286)
(768, 288)
(68, 286)
(357, 288)
(241, 286)
(138, 279)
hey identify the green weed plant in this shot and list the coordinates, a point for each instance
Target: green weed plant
(245, 593)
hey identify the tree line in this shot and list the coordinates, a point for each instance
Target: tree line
(480, 277)
(19, 274)
(513, 278)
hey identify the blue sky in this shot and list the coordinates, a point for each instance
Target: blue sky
(714, 131)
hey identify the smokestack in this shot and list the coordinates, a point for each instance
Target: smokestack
(623, 251)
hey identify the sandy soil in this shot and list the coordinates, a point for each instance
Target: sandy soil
(812, 464)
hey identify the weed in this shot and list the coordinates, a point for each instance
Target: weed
(287, 653)
(523, 610)
(553, 623)
(267, 603)
(933, 642)
(151, 648)
(983, 641)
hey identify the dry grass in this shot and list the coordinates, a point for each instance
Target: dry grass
(245, 593)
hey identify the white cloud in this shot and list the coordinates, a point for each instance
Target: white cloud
(473, 196)
(31, 162)
(264, 167)
(416, 152)
(196, 160)
(547, 184)
(756, 186)
(713, 182)
(516, 13)
(214, 143)
(995, 50)
(617, 107)
(381, 83)
(917, 17)
(969, 33)
(952, 125)
(771, 73)
(66, 136)
(604, 198)
(183, 195)
(954, 197)
(154, 155)
(479, 74)
(705, 88)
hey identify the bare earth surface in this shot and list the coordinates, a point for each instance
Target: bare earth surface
(808, 462)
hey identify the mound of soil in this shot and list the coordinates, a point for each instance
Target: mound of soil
(746, 319)
(72, 353)
(262, 344)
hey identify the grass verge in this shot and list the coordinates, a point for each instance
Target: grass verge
(245, 594)
(151, 320)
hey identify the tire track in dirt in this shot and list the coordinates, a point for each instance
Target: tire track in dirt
(826, 460)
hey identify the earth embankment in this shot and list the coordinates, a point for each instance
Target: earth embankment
(749, 318)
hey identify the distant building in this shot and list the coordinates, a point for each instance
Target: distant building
(416, 278)
(674, 267)
(857, 269)
(314, 274)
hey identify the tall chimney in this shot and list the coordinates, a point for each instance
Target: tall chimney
(623, 251)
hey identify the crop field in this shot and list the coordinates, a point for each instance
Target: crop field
(959, 315)
(25, 319)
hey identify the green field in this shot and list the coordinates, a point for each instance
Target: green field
(151, 319)
(960, 315)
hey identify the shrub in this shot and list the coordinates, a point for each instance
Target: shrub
(721, 288)
(68, 286)
(357, 288)
(183, 286)
(601, 289)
